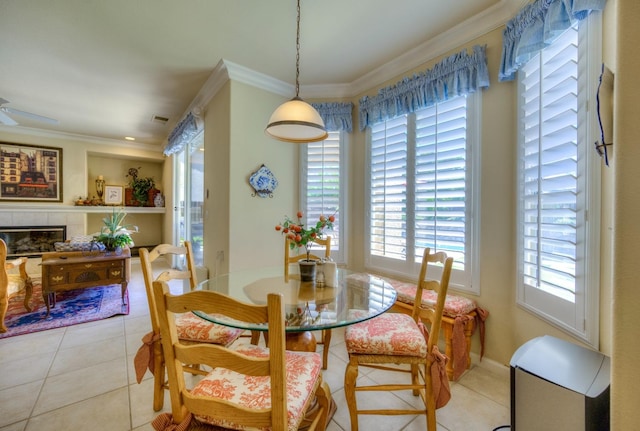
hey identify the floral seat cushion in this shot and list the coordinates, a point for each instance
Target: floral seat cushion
(454, 305)
(303, 372)
(393, 334)
(193, 328)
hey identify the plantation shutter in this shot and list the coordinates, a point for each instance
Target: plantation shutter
(552, 218)
(388, 188)
(440, 179)
(323, 184)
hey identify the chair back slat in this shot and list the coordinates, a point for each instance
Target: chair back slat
(433, 315)
(289, 259)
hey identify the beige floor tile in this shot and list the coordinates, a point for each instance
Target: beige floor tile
(64, 389)
(469, 411)
(141, 396)
(492, 385)
(25, 370)
(90, 332)
(23, 346)
(106, 412)
(87, 355)
(18, 401)
(19, 426)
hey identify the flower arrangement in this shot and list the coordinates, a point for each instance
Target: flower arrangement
(301, 236)
(114, 233)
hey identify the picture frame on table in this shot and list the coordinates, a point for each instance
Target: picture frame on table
(114, 195)
(31, 173)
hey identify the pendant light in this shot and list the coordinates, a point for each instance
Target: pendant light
(296, 121)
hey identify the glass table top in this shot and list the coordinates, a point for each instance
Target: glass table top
(352, 298)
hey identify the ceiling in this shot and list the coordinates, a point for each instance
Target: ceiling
(106, 68)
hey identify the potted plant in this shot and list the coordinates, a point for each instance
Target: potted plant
(140, 188)
(114, 234)
(304, 237)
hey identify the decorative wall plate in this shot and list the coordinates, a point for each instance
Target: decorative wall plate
(263, 182)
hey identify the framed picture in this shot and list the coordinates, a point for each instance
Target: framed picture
(30, 173)
(113, 195)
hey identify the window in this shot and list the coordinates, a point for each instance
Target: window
(423, 189)
(558, 249)
(189, 192)
(323, 167)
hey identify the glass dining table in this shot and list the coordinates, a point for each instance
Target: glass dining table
(309, 306)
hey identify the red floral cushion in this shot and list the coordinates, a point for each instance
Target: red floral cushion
(453, 305)
(388, 334)
(193, 328)
(303, 371)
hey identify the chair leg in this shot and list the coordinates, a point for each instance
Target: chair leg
(255, 337)
(28, 294)
(448, 337)
(323, 396)
(350, 376)
(158, 377)
(326, 341)
(4, 304)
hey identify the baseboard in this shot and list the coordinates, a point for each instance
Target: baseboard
(490, 365)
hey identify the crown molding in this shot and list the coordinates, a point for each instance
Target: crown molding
(50, 134)
(482, 23)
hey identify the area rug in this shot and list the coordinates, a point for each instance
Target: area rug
(72, 307)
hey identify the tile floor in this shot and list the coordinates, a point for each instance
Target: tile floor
(82, 377)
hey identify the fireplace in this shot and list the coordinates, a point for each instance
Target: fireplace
(32, 241)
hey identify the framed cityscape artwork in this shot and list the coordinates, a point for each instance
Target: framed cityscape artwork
(30, 173)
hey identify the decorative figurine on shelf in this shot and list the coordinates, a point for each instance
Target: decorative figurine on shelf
(158, 201)
(100, 188)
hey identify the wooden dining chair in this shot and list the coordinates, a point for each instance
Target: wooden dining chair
(249, 387)
(290, 259)
(396, 338)
(13, 280)
(191, 329)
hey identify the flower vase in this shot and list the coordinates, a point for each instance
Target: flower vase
(307, 270)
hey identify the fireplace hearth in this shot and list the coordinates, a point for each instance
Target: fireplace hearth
(32, 241)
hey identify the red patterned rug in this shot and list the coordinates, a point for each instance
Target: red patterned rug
(72, 307)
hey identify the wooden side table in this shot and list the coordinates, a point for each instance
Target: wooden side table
(63, 271)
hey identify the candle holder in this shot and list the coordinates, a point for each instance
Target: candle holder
(100, 187)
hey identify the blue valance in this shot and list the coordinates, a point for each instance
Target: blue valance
(457, 75)
(182, 134)
(336, 116)
(536, 26)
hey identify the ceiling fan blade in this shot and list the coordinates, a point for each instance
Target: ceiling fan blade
(6, 120)
(30, 115)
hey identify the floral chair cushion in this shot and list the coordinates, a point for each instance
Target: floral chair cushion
(193, 328)
(393, 334)
(303, 371)
(454, 305)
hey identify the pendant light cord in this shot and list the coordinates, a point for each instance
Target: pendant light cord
(298, 53)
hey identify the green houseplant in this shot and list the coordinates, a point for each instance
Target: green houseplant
(140, 186)
(114, 234)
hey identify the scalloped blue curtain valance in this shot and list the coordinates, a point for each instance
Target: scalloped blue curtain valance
(336, 116)
(181, 135)
(457, 75)
(536, 26)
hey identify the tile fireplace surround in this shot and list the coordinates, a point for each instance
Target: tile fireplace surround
(43, 215)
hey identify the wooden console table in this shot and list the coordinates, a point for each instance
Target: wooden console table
(63, 271)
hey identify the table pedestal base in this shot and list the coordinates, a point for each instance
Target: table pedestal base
(301, 341)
